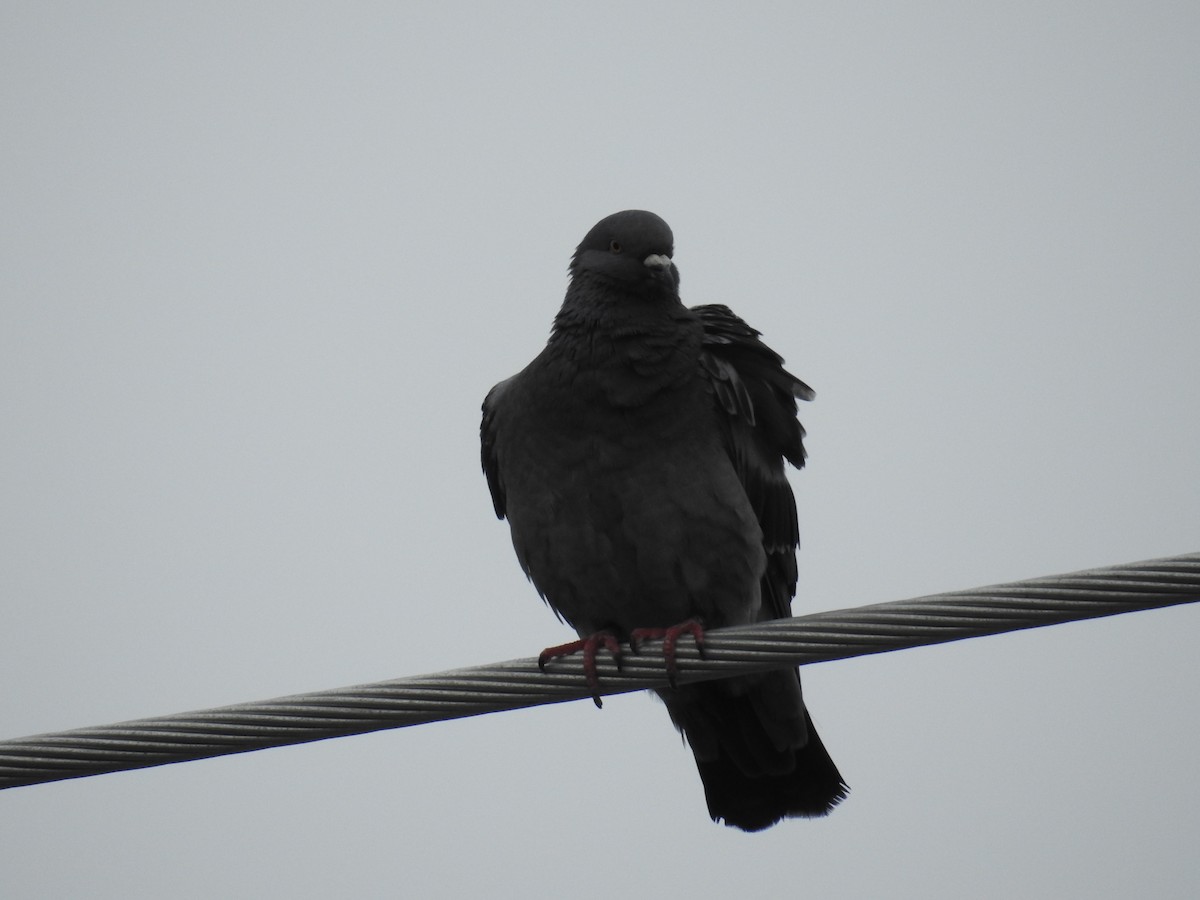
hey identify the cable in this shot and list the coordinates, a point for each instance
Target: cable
(518, 683)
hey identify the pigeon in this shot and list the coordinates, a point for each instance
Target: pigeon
(639, 460)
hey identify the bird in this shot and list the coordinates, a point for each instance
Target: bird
(639, 460)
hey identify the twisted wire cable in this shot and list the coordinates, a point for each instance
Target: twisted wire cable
(517, 683)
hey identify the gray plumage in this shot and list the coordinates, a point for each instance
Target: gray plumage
(639, 460)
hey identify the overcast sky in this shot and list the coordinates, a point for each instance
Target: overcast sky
(259, 263)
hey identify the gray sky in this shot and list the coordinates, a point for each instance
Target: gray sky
(259, 264)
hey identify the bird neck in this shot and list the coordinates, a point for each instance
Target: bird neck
(627, 347)
(598, 308)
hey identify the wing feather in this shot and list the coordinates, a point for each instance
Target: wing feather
(756, 401)
(488, 453)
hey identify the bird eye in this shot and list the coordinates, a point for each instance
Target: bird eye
(615, 246)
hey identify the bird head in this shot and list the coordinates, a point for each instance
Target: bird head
(631, 249)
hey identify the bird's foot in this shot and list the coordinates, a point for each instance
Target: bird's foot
(590, 646)
(670, 637)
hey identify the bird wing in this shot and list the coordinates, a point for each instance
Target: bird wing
(488, 453)
(755, 399)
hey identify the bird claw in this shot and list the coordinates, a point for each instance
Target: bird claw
(590, 646)
(670, 638)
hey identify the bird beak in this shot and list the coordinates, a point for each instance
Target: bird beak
(662, 269)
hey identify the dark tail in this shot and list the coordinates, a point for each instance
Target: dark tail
(759, 756)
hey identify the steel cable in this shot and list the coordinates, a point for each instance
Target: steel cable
(518, 683)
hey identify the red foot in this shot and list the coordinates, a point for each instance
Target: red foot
(670, 637)
(590, 646)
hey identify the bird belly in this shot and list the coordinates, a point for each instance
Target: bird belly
(647, 545)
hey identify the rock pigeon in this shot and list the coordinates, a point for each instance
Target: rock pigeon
(639, 460)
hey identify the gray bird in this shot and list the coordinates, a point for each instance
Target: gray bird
(639, 460)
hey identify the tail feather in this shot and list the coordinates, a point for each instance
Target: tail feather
(813, 788)
(759, 756)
